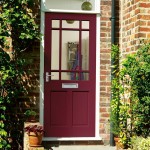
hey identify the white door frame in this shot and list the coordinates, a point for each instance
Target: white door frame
(97, 136)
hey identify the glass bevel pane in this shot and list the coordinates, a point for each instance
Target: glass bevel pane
(65, 76)
(84, 76)
(74, 76)
(68, 37)
(54, 75)
(55, 23)
(55, 50)
(85, 24)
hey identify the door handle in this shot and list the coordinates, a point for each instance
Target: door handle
(47, 76)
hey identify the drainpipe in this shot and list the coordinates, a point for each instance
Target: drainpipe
(113, 18)
(112, 143)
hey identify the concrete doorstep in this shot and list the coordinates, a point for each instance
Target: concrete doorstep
(85, 147)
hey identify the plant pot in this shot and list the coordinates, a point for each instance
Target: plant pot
(35, 139)
(31, 118)
(118, 144)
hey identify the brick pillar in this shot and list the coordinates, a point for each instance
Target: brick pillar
(105, 63)
(105, 82)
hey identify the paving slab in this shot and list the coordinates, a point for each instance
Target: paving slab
(85, 147)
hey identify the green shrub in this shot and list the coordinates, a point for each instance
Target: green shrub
(130, 105)
(18, 30)
(140, 143)
(115, 99)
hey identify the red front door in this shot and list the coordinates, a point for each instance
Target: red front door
(69, 75)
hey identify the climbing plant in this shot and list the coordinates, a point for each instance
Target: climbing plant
(130, 105)
(18, 30)
(115, 99)
(137, 66)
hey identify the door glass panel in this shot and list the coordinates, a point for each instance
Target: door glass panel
(85, 50)
(70, 24)
(55, 50)
(66, 38)
(54, 75)
(73, 53)
(74, 76)
(55, 23)
(85, 24)
(85, 76)
(65, 76)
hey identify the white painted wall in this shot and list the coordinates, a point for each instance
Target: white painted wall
(71, 6)
(66, 4)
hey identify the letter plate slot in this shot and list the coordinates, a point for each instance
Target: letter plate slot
(70, 85)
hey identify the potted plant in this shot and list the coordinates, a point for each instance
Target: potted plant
(35, 133)
(30, 115)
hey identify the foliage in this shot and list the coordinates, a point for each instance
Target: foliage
(137, 66)
(131, 100)
(115, 100)
(18, 30)
(34, 128)
(17, 22)
(10, 87)
(140, 143)
(141, 112)
(30, 115)
(30, 112)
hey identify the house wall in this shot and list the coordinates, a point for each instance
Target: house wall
(105, 77)
(105, 62)
(131, 26)
(32, 100)
(135, 24)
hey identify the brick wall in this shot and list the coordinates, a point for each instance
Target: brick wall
(132, 25)
(105, 63)
(135, 24)
(31, 99)
(105, 82)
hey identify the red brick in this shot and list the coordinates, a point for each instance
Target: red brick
(103, 78)
(105, 56)
(103, 89)
(103, 109)
(148, 36)
(104, 94)
(144, 29)
(144, 17)
(148, 23)
(105, 115)
(105, 72)
(145, 5)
